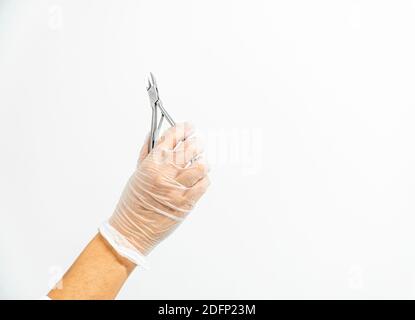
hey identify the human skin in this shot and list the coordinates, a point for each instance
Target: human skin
(97, 274)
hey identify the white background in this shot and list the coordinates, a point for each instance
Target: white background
(319, 93)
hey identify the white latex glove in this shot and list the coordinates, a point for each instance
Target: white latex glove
(163, 189)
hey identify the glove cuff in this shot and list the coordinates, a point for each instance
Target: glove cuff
(123, 247)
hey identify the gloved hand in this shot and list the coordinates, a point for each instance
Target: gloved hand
(163, 189)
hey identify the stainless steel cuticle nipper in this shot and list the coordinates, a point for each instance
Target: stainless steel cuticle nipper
(156, 104)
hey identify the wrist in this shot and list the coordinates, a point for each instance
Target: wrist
(121, 261)
(121, 245)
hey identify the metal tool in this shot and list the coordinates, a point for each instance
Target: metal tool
(156, 104)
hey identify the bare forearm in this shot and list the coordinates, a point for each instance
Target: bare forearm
(98, 273)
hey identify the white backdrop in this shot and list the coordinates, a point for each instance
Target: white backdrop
(307, 109)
